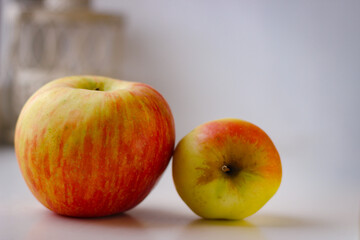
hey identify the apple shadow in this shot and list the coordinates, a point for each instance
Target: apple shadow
(116, 220)
(134, 224)
(218, 229)
(221, 223)
(254, 227)
(158, 217)
(282, 221)
(54, 226)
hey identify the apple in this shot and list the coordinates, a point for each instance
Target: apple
(90, 146)
(226, 169)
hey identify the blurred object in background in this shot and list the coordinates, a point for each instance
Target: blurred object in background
(45, 40)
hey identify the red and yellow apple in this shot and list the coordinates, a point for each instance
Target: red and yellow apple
(93, 146)
(226, 169)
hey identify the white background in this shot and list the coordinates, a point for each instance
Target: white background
(290, 67)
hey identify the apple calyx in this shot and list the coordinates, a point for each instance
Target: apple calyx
(225, 169)
(230, 170)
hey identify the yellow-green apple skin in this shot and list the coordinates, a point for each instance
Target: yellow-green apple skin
(90, 146)
(226, 169)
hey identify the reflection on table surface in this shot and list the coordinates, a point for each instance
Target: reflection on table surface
(157, 223)
(307, 209)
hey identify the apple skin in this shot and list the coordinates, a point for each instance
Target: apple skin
(90, 146)
(226, 169)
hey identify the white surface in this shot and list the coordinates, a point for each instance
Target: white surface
(304, 208)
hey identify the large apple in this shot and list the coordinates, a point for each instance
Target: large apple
(93, 146)
(226, 169)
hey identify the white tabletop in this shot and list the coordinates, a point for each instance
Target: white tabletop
(305, 207)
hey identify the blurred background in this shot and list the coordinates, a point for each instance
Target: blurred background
(291, 67)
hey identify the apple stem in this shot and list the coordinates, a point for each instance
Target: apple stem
(225, 169)
(97, 89)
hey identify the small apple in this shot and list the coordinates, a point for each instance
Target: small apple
(226, 169)
(91, 146)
